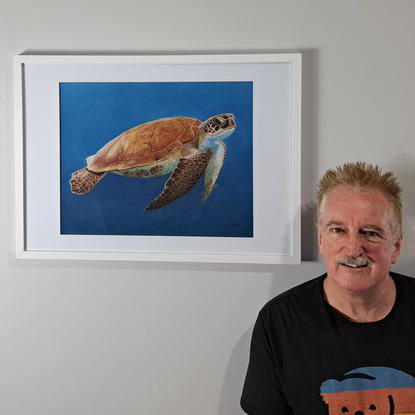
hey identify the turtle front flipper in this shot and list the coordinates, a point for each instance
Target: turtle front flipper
(214, 167)
(82, 181)
(183, 178)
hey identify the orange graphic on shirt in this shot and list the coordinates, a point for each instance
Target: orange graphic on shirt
(370, 390)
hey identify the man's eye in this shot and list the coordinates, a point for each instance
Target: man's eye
(337, 230)
(371, 234)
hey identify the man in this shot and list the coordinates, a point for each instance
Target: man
(342, 343)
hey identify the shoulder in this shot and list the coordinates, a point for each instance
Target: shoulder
(403, 282)
(302, 298)
(405, 286)
(402, 278)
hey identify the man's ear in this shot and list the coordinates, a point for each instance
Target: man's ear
(320, 241)
(398, 247)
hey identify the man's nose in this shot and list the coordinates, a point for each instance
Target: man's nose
(354, 245)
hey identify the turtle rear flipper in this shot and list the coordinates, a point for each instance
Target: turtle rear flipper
(82, 181)
(183, 178)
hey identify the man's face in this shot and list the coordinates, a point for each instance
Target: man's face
(358, 224)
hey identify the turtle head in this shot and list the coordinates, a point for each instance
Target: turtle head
(218, 126)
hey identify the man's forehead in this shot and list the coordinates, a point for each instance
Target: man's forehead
(346, 206)
(359, 191)
(347, 198)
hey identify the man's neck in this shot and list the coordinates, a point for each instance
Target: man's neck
(361, 307)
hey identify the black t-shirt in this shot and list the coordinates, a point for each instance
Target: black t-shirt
(308, 359)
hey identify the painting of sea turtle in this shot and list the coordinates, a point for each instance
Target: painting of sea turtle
(183, 146)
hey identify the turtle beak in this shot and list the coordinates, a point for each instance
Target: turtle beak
(231, 121)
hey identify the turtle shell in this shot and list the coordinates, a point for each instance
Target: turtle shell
(145, 144)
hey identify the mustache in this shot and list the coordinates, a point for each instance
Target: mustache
(354, 261)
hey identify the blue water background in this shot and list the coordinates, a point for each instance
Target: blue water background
(94, 113)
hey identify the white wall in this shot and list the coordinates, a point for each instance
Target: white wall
(172, 339)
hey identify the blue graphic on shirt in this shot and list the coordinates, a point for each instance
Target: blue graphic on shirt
(375, 377)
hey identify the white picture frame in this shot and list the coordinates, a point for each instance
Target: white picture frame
(276, 158)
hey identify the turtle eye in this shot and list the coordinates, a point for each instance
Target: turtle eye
(217, 121)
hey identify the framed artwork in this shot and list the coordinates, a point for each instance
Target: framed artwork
(158, 158)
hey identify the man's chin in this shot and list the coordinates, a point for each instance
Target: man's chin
(353, 280)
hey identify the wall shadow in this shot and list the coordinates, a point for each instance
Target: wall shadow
(309, 162)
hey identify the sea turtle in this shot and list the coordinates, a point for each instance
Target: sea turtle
(182, 145)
